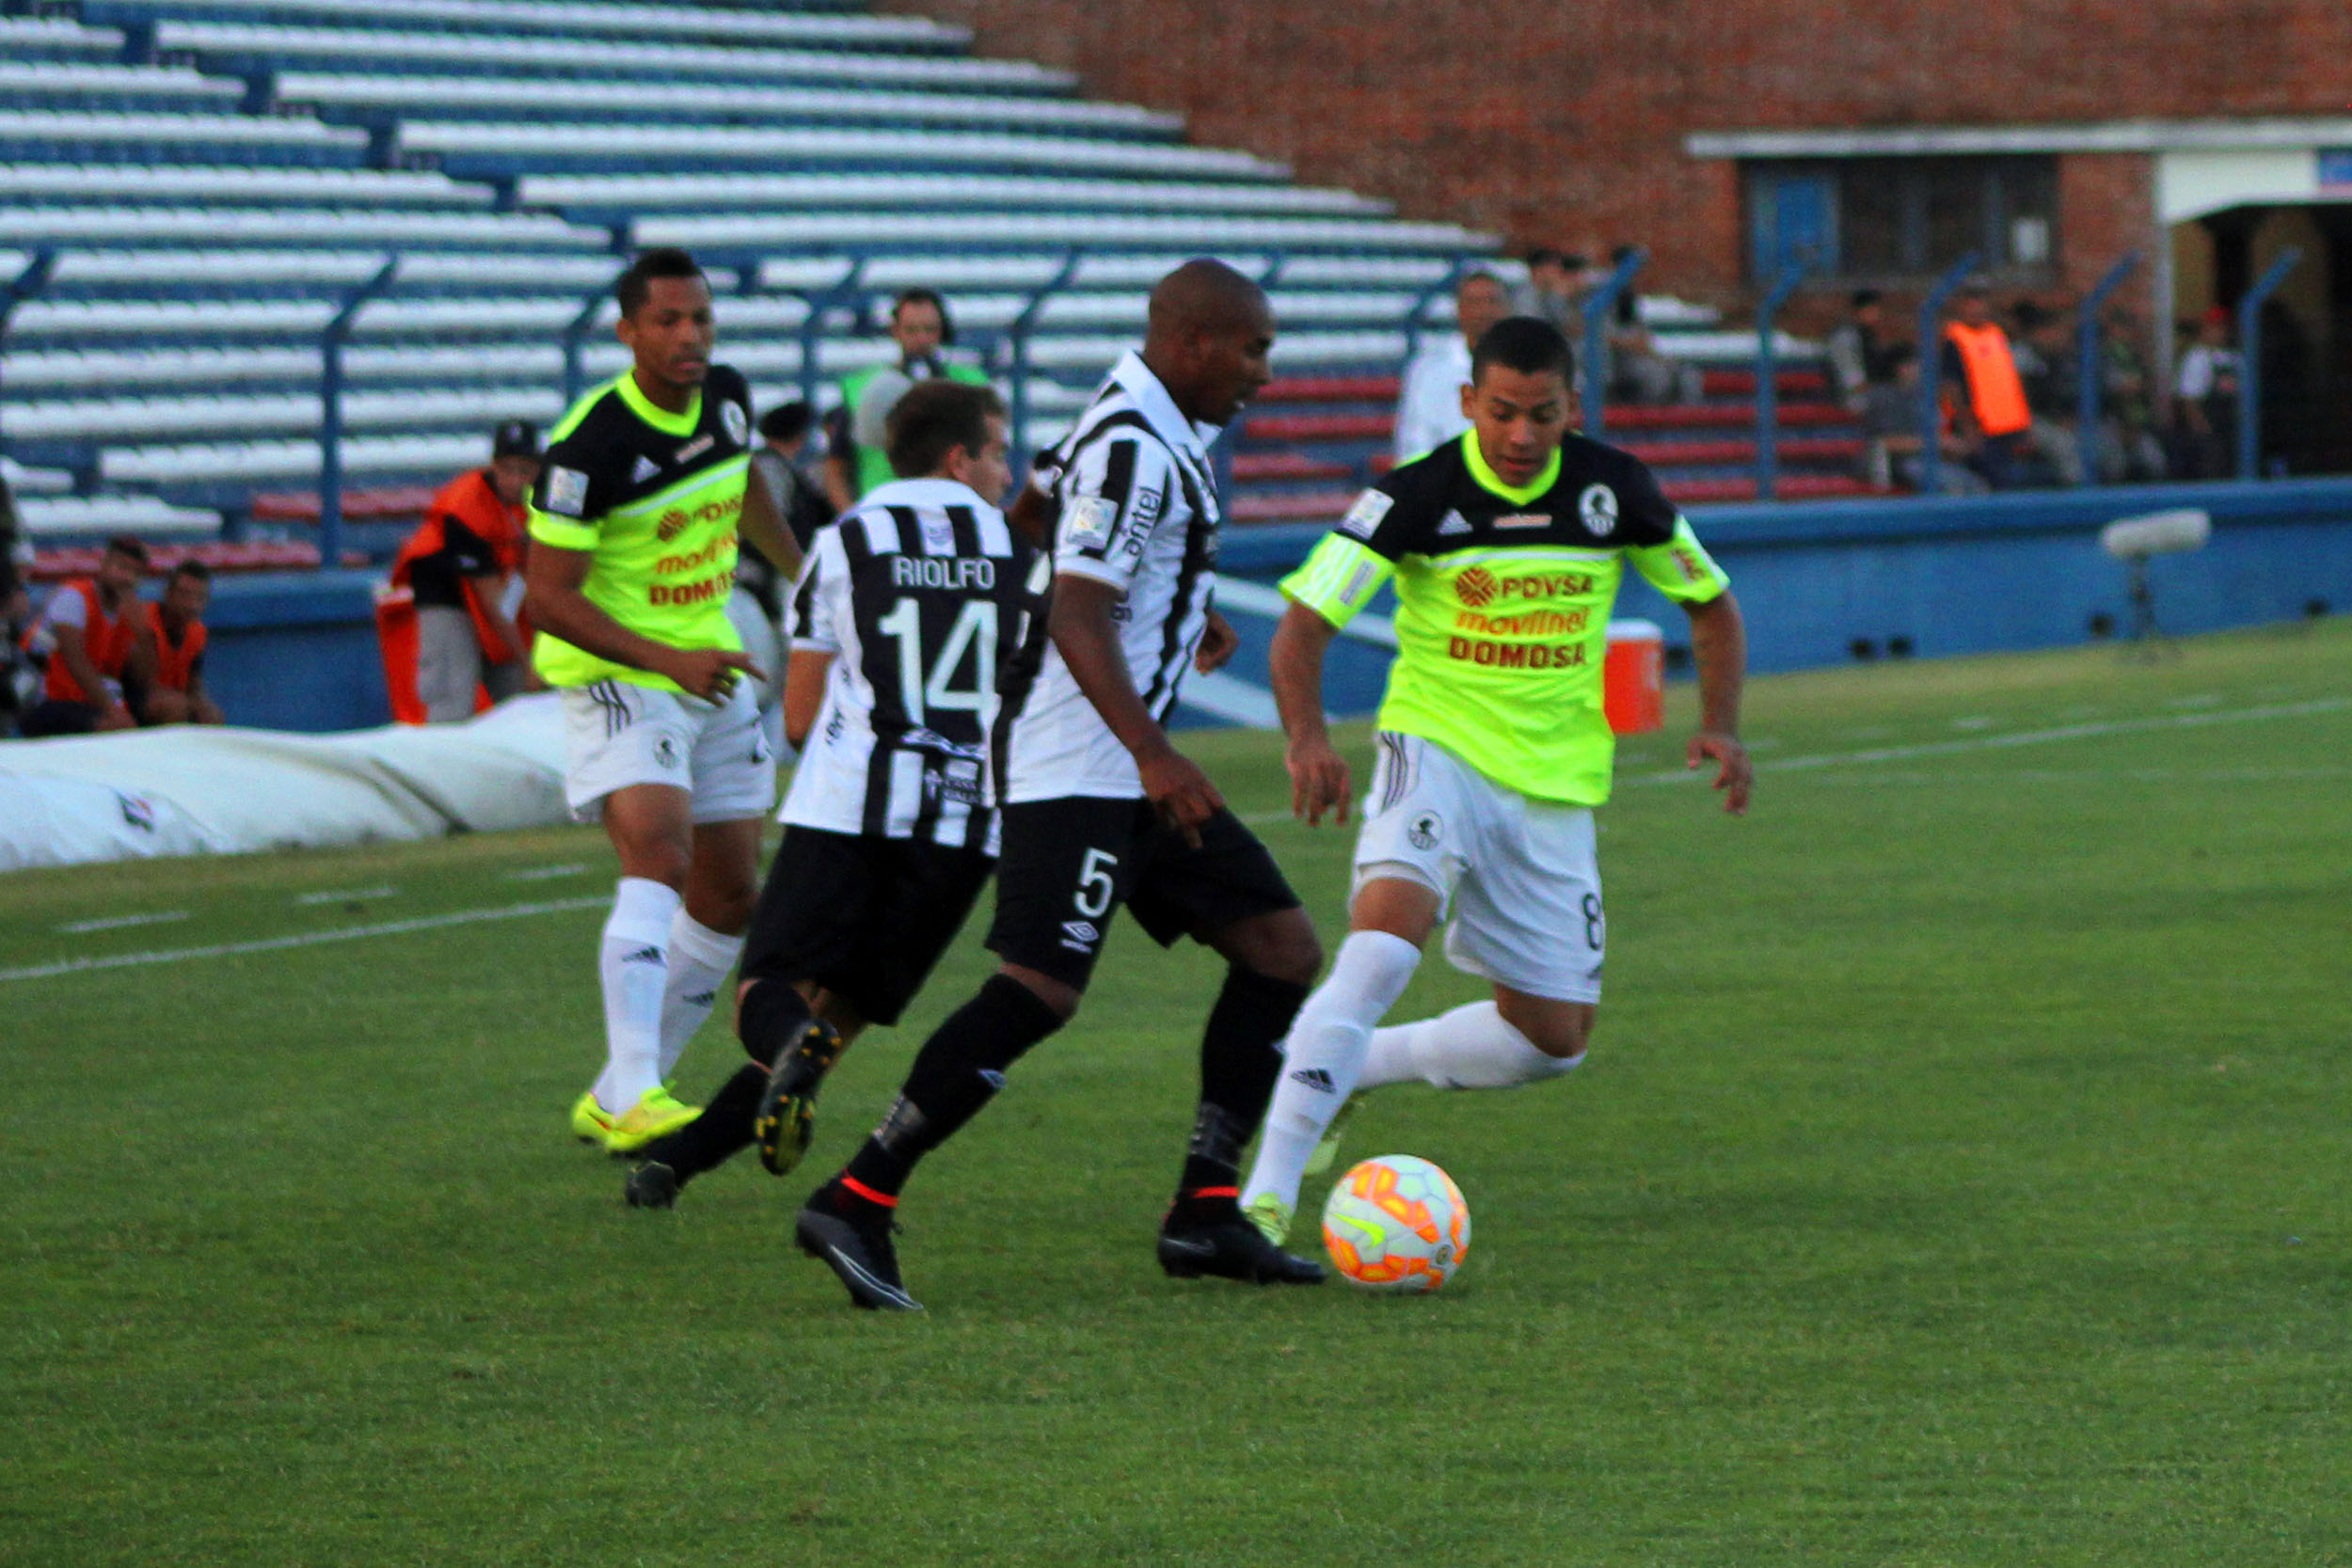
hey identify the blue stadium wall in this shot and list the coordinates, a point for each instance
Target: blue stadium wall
(1950, 576)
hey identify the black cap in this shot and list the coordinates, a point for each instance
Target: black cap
(515, 439)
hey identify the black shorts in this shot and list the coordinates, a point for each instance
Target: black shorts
(864, 917)
(1068, 865)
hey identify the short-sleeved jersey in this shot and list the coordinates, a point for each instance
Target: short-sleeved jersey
(915, 592)
(1136, 509)
(1503, 598)
(656, 496)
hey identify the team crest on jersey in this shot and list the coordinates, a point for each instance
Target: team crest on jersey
(567, 491)
(1087, 520)
(1365, 515)
(1599, 506)
(665, 751)
(1424, 830)
(736, 423)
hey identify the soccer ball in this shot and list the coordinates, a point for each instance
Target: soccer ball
(1398, 1224)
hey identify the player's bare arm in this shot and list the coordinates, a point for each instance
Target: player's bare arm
(73, 647)
(805, 693)
(1319, 781)
(555, 580)
(1719, 646)
(762, 525)
(1082, 629)
(1219, 643)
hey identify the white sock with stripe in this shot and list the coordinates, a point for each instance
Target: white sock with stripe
(1472, 1047)
(699, 960)
(633, 964)
(1325, 1052)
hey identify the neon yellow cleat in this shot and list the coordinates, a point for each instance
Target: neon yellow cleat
(591, 1122)
(654, 1114)
(1271, 1216)
(1327, 1153)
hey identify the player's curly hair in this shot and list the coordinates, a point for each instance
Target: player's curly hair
(634, 287)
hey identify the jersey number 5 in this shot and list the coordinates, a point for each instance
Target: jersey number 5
(974, 634)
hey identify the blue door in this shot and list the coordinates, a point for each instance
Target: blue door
(1794, 218)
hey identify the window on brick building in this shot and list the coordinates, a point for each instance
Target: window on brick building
(1901, 220)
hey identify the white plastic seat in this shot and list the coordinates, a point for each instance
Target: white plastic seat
(122, 419)
(154, 183)
(24, 481)
(616, 21)
(149, 516)
(55, 38)
(274, 461)
(249, 133)
(770, 231)
(748, 192)
(287, 226)
(25, 83)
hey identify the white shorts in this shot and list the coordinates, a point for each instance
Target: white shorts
(1520, 876)
(616, 734)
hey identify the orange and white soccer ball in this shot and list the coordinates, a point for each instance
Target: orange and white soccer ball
(1396, 1223)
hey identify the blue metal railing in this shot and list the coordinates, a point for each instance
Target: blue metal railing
(25, 286)
(1768, 380)
(2089, 369)
(331, 341)
(1932, 373)
(2250, 353)
(1596, 307)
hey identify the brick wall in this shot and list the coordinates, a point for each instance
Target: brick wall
(1562, 123)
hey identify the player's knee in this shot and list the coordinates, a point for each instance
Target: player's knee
(1561, 1035)
(1059, 996)
(1281, 946)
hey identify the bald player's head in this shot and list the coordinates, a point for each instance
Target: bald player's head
(1211, 331)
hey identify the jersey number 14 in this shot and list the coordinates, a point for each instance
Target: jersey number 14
(923, 689)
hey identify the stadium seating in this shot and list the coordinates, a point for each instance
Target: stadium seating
(213, 179)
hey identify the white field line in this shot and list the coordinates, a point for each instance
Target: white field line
(120, 921)
(306, 939)
(547, 873)
(344, 895)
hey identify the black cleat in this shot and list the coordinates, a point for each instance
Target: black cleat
(1226, 1245)
(652, 1185)
(860, 1256)
(787, 1117)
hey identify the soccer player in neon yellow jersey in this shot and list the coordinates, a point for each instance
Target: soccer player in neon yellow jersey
(633, 539)
(1507, 546)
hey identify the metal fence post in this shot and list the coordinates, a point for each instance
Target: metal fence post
(1414, 329)
(331, 410)
(1024, 326)
(2250, 348)
(819, 302)
(1768, 380)
(1931, 374)
(2091, 376)
(1596, 307)
(576, 344)
(23, 287)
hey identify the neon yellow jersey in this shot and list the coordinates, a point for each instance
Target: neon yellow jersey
(1503, 598)
(656, 498)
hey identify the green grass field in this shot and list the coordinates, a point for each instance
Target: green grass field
(1958, 1178)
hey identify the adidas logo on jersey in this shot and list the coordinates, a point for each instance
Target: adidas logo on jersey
(647, 956)
(1455, 523)
(1315, 1079)
(647, 468)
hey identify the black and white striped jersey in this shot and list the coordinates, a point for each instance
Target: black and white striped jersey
(915, 592)
(1138, 509)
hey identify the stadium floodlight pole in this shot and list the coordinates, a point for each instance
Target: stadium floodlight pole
(1597, 307)
(1932, 373)
(1023, 327)
(331, 343)
(576, 344)
(25, 286)
(2090, 373)
(1768, 380)
(2249, 368)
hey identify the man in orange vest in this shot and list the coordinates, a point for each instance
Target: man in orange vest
(459, 566)
(92, 627)
(165, 682)
(1992, 416)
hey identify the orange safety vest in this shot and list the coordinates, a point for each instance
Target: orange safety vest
(109, 641)
(1995, 396)
(469, 498)
(174, 665)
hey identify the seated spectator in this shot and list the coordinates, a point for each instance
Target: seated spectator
(1637, 370)
(91, 628)
(1980, 367)
(464, 564)
(855, 455)
(1554, 292)
(1429, 410)
(1860, 358)
(2045, 360)
(2205, 402)
(2129, 447)
(165, 681)
(1890, 428)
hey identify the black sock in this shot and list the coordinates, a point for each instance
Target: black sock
(959, 1069)
(713, 1138)
(770, 1013)
(1239, 1064)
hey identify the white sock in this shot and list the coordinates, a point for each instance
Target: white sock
(699, 960)
(634, 965)
(1472, 1047)
(1324, 1054)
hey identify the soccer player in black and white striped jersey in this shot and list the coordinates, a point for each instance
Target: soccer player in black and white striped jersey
(1101, 809)
(890, 828)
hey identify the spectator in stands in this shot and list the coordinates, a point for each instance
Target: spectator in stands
(1429, 410)
(1555, 289)
(1979, 373)
(164, 683)
(785, 434)
(1636, 371)
(1890, 427)
(464, 564)
(92, 627)
(2129, 447)
(1860, 358)
(855, 455)
(2205, 402)
(2046, 368)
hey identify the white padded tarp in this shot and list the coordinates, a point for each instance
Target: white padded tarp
(188, 791)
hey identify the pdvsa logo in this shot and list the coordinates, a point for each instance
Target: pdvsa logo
(1476, 587)
(673, 524)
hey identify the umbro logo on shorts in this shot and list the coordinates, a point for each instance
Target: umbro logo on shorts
(1079, 936)
(1315, 1079)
